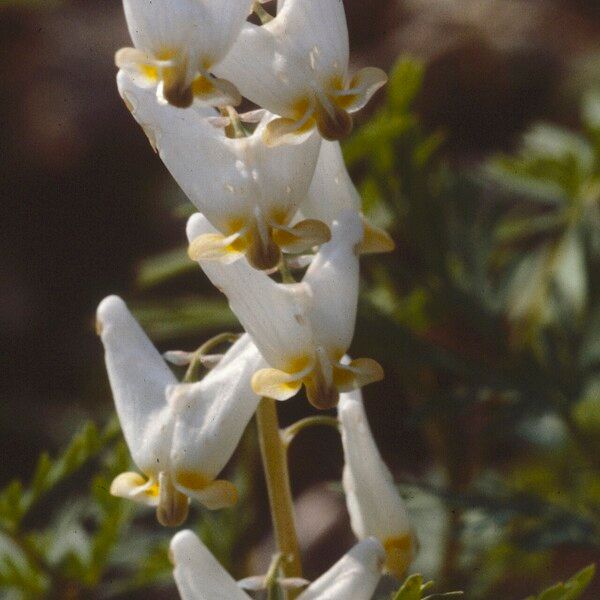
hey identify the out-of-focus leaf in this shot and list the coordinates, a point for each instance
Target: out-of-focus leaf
(571, 589)
(159, 269)
(405, 83)
(184, 317)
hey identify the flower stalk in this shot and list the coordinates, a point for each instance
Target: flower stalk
(274, 457)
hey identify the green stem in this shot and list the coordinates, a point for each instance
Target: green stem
(275, 465)
(289, 433)
(193, 372)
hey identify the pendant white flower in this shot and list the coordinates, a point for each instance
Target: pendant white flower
(199, 576)
(177, 45)
(296, 66)
(248, 191)
(302, 330)
(375, 506)
(180, 435)
(332, 192)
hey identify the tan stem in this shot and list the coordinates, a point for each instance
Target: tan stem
(275, 465)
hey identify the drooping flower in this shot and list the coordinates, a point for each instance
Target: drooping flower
(302, 330)
(331, 192)
(199, 576)
(248, 191)
(375, 506)
(180, 435)
(177, 45)
(296, 66)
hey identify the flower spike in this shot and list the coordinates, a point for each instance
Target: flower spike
(375, 505)
(302, 330)
(296, 66)
(248, 191)
(180, 435)
(199, 576)
(177, 44)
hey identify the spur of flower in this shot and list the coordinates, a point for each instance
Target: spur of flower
(302, 330)
(248, 191)
(296, 66)
(374, 503)
(177, 45)
(199, 576)
(180, 435)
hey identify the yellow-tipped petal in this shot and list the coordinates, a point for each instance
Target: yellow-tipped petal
(217, 494)
(375, 240)
(214, 246)
(215, 91)
(288, 131)
(134, 486)
(275, 384)
(358, 373)
(302, 236)
(362, 88)
(399, 552)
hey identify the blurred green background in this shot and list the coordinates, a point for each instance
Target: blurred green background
(482, 158)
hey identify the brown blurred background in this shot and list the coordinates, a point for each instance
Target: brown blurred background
(84, 198)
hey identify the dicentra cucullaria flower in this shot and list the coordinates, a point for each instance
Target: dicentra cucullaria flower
(177, 45)
(180, 435)
(302, 330)
(332, 192)
(199, 576)
(296, 66)
(375, 506)
(248, 191)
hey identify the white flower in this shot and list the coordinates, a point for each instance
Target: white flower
(296, 66)
(199, 576)
(375, 506)
(178, 43)
(180, 435)
(331, 192)
(248, 191)
(302, 330)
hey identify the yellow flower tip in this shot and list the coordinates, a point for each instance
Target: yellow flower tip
(125, 484)
(218, 494)
(276, 384)
(98, 327)
(375, 240)
(400, 553)
(287, 131)
(214, 246)
(302, 236)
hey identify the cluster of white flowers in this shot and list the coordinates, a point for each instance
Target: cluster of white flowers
(271, 187)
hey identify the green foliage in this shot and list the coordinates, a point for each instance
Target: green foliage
(571, 589)
(413, 589)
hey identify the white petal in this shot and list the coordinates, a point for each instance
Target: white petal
(198, 574)
(282, 62)
(354, 577)
(273, 314)
(139, 378)
(374, 503)
(198, 155)
(211, 415)
(203, 28)
(331, 191)
(333, 278)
